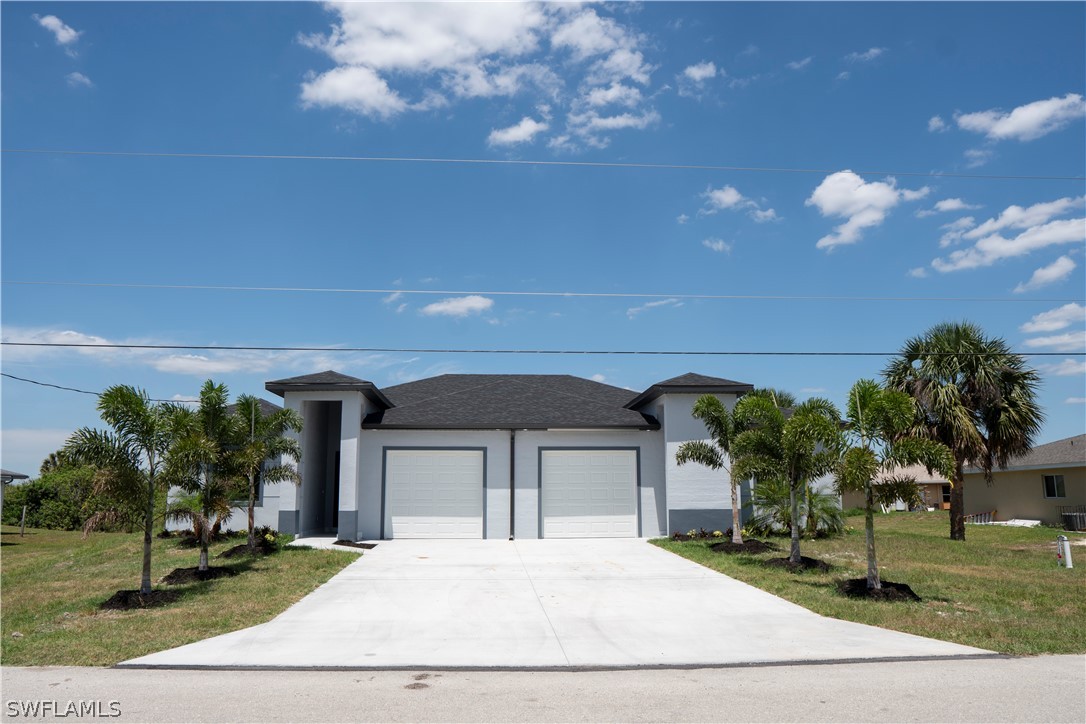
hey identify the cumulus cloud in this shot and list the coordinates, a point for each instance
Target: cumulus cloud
(718, 245)
(945, 205)
(976, 157)
(682, 218)
(918, 273)
(78, 80)
(1067, 342)
(862, 204)
(700, 72)
(1067, 368)
(1055, 319)
(614, 94)
(865, 56)
(64, 34)
(1055, 272)
(1027, 122)
(800, 64)
(936, 124)
(671, 302)
(598, 378)
(728, 198)
(458, 307)
(355, 88)
(844, 75)
(523, 132)
(1040, 229)
(955, 230)
(1075, 401)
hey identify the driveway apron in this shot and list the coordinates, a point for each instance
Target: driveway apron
(540, 603)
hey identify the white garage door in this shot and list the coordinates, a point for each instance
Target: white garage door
(589, 493)
(434, 494)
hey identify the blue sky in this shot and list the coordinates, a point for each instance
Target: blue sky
(864, 92)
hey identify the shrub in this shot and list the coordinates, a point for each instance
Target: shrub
(773, 512)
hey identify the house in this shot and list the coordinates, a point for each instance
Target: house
(8, 476)
(1040, 485)
(934, 488)
(498, 456)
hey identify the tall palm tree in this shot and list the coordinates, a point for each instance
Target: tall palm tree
(715, 454)
(972, 394)
(879, 423)
(264, 437)
(130, 456)
(201, 463)
(799, 448)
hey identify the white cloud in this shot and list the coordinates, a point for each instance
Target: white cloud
(844, 75)
(523, 132)
(64, 34)
(800, 64)
(862, 204)
(1055, 319)
(812, 390)
(701, 72)
(682, 218)
(598, 378)
(616, 93)
(78, 80)
(728, 198)
(355, 88)
(718, 245)
(955, 230)
(866, 56)
(23, 449)
(394, 297)
(976, 157)
(1040, 230)
(634, 311)
(936, 124)
(1067, 368)
(1054, 272)
(1067, 342)
(944, 206)
(458, 306)
(918, 273)
(1075, 401)
(1025, 123)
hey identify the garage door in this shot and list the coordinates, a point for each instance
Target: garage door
(434, 494)
(589, 493)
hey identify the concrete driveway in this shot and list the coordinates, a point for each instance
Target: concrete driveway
(549, 603)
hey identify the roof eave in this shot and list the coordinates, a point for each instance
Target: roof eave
(368, 390)
(657, 391)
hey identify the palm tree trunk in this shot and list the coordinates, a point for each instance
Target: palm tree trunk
(873, 582)
(148, 526)
(957, 503)
(794, 555)
(203, 549)
(737, 526)
(812, 522)
(252, 515)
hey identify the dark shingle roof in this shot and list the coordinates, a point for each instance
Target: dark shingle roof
(266, 408)
(327, 380)
(1070, 451)
(507, 401)
(690, 382)
(7, 476)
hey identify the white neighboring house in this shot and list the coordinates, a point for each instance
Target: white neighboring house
(499, 457)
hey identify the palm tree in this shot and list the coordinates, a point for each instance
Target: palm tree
(129, 457)
(972, 394)
(879, 423)
(799, 448)
(201, 463)
(715, 454)
(53, 461)
(265, 438)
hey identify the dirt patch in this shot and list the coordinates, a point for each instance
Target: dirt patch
(352, 544)
(417, 685)
(748, 546)
(194, 574)
(890, 591)
(129, 600)
(805, 564)
(244, 550)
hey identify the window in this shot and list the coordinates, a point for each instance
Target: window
(946, 494)
(1054, 486)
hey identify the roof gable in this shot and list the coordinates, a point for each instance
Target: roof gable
(329, 380)
(690, 383)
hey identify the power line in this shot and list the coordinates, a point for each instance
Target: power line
(62, 387)
(524, 162)
(425, 350)
(506, 293)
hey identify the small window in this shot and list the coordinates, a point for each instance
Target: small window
(946, 493)
(1054, 486)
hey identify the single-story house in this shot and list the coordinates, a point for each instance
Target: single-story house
(1040, 485)
(498, 456)
(934, 488)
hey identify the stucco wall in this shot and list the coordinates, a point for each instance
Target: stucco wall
(1020, 493)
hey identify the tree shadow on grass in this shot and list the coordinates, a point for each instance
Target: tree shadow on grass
(183, 584)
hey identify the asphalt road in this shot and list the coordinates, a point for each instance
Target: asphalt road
(1040, 689)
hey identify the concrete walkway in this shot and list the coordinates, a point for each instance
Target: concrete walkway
(552, 603)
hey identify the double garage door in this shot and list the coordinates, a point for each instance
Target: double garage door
(440, 493)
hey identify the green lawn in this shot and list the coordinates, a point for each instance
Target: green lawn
(51, 583)
(999, 590)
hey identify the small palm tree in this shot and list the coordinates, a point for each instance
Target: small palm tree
(800, 448)
(130, 456)
(879, 423)
(265, 438)
(972, 394)
(714, 454)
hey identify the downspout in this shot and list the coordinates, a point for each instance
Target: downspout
(512, 481)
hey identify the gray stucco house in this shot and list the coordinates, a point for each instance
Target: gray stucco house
(497, 456)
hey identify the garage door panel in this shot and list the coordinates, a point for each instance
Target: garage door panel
(589, 493)
(434, 494)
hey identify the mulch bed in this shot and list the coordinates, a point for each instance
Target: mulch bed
(352, 544)
(805, 564)
(890, 591)
(244, 550)
(748, 546)
(194, 574)
(129, 600)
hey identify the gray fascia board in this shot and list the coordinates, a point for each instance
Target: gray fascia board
(368, 390)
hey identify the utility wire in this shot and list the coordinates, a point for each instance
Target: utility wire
(492, 293)
(62, 387)
(524, 162)
(425, 350)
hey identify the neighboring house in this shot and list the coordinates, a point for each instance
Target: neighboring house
(7, 476)
(934, 489)
(499, 456)
(1039, 485)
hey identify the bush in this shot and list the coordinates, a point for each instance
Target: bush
(63, 499)
(773, 510)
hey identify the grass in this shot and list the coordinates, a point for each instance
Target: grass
(52, 582)
(999, 590)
